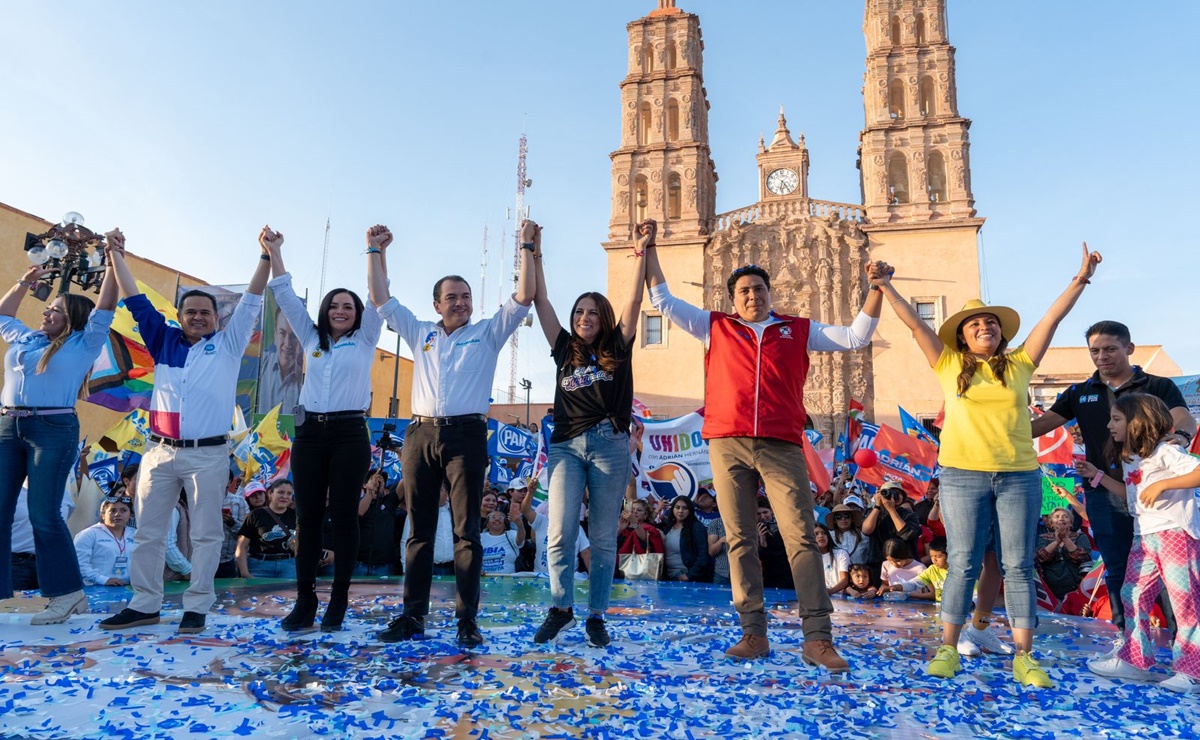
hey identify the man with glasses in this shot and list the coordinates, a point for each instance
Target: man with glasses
(756, 363)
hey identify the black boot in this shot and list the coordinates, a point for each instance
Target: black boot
(305, 609)
(335, 611)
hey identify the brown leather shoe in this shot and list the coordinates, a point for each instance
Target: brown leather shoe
(822, 653)
(750, 647)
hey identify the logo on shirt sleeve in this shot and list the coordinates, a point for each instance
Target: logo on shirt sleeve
(428, 343)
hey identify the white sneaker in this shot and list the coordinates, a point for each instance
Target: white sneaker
(1181, 683)
(1117, 668)
(972, 641)
(1117, 643)
(61, 607)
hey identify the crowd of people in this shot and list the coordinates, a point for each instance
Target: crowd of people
(761, 524)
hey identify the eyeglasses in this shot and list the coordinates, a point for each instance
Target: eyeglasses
(842, 516)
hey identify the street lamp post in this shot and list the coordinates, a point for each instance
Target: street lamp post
(394, 406)
(526, 386)
(71, 253)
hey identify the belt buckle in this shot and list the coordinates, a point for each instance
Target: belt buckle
(19, 413)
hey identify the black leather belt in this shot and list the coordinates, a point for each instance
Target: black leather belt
(450, 421)
(21, 412)
(24, 557)
(335, 415)
(275, 556)
(204, 442)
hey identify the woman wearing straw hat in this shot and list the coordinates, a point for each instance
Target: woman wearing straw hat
(990, 476)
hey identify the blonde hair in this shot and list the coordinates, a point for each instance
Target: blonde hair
(78, 309)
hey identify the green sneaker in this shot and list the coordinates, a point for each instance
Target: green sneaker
(945, 664)
(1027, 672)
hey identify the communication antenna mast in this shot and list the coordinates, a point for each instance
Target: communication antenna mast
(325, 256)
(521, 213)
(483, 267)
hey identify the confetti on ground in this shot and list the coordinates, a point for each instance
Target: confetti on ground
(664, 676)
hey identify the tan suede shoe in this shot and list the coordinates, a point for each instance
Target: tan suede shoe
(822, 653)
(750, 647)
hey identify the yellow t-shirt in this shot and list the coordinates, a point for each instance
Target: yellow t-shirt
(987, 429)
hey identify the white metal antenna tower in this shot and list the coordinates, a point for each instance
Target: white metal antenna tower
(325, 257)
(483, 268)
(520, 214)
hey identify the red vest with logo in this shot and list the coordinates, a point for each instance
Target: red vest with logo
(752, 388)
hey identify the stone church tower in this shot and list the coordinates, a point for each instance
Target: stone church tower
(814, 249)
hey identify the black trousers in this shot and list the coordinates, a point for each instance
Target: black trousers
(330, 458)
(456, 456)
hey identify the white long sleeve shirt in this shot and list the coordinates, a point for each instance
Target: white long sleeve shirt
(453, 373)
(821, 337)
(102, 556)
(338, 379)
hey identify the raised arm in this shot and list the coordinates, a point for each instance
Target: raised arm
(379, 238)
(527, 503)
(262, 273)
(693, 320)
(116, 257)
(107, 300)
(1043, 332)
(12, 299)
(272, 245)
(285, 295)
(526, 282)
(927, 339)
(648, 232)
(551, 327)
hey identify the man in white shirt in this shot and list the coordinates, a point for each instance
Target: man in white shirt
(454, 362)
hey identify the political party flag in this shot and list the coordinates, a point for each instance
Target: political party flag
(1045, 597)
(1055, 447)
(260, 453)
(541, 461)
(105, 472)
(128, 434)
(817, 474)
(914, 428)
(901, 458)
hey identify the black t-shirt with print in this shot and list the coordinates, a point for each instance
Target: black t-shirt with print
(265, 535)
(586, 396)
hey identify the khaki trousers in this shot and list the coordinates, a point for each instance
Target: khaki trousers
(737, 465)
(203, 472)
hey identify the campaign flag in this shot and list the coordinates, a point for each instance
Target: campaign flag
(512, 450)
(541, 461)
(814, 437)
(128, 434)
(1045, 597)
(640, 409)
(855, 416)
(105, 472)
(902, 458)
(1051, 500)
(386, 453)
(260, 454)
(671, 457)
(817, 474)
(914, 428)
(1055, 447)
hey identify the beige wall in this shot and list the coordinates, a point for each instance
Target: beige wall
(669, 378)
(95, 420)
(931, 264)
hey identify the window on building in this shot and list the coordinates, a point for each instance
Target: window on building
(937, 178)
(927, 310)
(896, 100)
(652, 330)
(920, 29)
(647, 59)
(674, 197)
(673, 120)
(641, 198)
(643, 132)
(672, 56)
(897, 175)
(895, 30)
(928, 97)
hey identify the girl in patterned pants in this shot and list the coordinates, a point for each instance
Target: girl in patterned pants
(1159, 481)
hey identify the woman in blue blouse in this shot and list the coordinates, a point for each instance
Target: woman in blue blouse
(44, 370)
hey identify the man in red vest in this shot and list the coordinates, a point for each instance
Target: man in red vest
(755, 367)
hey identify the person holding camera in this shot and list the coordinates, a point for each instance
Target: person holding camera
(332, 450)
(886, 520)
(454, 363)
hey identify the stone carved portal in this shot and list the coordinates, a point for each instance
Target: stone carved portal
(816, 268)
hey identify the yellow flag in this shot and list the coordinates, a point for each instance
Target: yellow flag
(128, 434)
(123, 322)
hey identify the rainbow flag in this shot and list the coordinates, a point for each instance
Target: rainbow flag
(122, 377)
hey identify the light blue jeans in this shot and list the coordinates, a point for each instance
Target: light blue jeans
(598, 461)
(972, 503)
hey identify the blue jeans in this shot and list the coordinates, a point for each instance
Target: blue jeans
(597, 460)
(43, 448)
(285, 568)
(972, 503)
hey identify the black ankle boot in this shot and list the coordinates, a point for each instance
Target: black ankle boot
(305, 610)
(335, 610)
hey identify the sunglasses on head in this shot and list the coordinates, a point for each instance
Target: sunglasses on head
(118, 500)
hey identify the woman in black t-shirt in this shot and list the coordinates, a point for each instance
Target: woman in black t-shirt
(265, 541)
(589, 447)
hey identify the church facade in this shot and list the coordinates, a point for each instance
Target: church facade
(917, 212)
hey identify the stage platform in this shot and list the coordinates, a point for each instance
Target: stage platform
(664, 676)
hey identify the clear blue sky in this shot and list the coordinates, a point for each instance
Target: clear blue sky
(192, 125)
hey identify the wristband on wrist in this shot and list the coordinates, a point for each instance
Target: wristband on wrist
(23, 284)
(265, 257)
(374, 250)
(1184, 434)
(1081, 279)
(527, 245)
(1095, 481)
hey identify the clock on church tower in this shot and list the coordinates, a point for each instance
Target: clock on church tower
(782, 166)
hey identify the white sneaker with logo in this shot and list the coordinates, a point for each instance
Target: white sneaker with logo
(1117, 668)
(1181, 683)
(971, 642)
